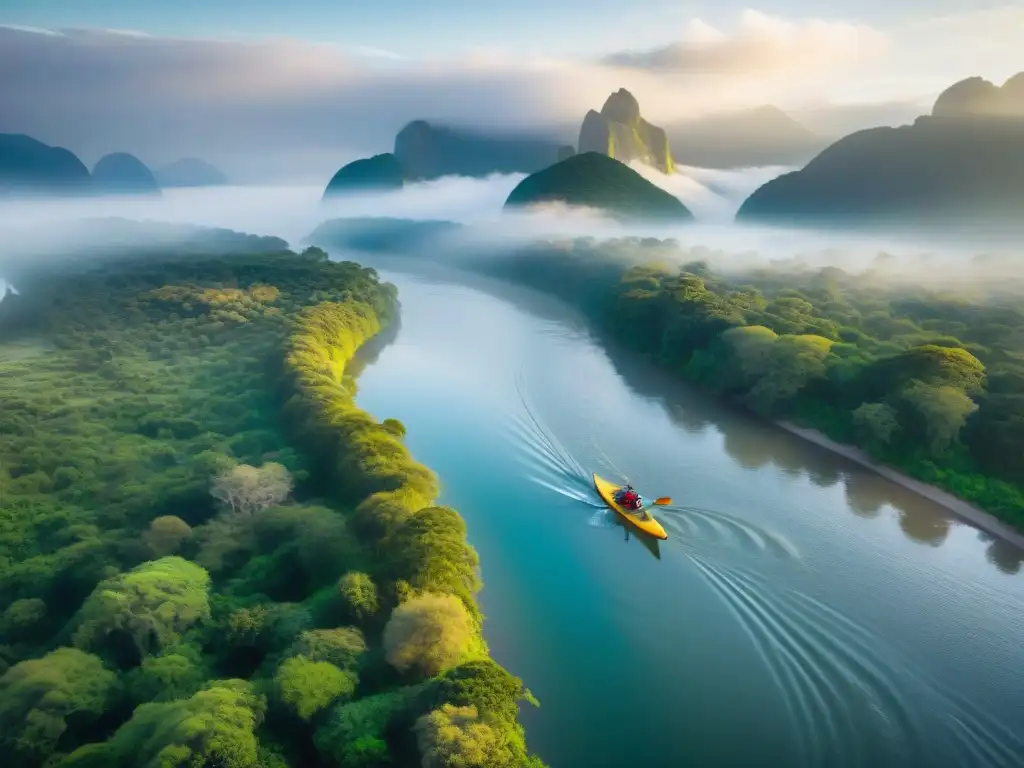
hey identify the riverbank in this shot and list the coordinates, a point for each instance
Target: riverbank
(976, 516)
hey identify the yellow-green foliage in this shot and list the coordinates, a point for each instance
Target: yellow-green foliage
(153, 604)
(456, 737)
(306, 686)
(363, 456)
(368, 461)
(215, 726)
(37, 697)
(166, 534)
(429, 634)
(360, 595)
(431, 553)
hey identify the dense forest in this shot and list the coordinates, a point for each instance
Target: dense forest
(929, 381)
(209, 556)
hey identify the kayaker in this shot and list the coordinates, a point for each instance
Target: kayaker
(629, 498)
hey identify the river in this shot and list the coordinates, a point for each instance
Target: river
(803, 612)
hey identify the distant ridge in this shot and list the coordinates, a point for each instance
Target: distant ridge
(123, 174)
(963, 165)
(28, 166)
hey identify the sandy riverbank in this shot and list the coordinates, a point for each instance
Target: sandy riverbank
(976, 516)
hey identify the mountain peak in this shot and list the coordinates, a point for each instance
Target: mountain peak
(620, 132)
(622, 107)
(122, 173)
(978, 97)
(189, 172)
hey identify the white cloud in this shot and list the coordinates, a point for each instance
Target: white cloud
(760, 43)
(301, 109)
(31, 30)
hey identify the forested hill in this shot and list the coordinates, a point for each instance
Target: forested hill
(208, 554)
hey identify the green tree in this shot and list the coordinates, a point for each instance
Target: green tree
(456, 737)
(306, 686)
(946, 366)
(166, 534)
(930, 364)
(788, 364)
(151, 605)
(429, 634)
(177, 673)
(215, 726)
(353, 734)
(359, 594)
(429, 550)
(749, 348)
(41, 698)
(944, 409)
(341, 647)
(485, 685)
(225, 542)
(876, 422)
(267, 627)
(22, 619)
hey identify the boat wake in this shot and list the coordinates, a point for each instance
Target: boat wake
(713, 529)
(545, 459)
(834, 676)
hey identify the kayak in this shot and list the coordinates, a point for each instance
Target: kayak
(640, 518)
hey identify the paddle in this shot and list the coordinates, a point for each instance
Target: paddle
(662, 501)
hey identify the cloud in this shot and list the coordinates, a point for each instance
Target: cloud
(270, 110)
(30, 30)
(242, 103)
(759, 44)
(43, 234)
(713, 195)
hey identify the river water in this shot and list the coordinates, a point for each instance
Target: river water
(803, 612)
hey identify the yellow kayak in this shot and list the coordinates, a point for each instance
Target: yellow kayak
(640, 519)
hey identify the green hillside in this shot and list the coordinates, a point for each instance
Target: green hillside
(598, 181)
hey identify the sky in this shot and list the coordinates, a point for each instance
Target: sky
(309, 84)
(418, 28)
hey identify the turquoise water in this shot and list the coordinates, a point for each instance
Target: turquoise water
(803, 612)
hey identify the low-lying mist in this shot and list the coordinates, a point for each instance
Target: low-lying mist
(44, 233)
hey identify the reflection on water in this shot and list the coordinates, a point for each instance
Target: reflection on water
(1002, 554)
(649, 543)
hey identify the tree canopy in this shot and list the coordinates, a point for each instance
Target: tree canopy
(40, 697)
(429, 634)
(152, 605)
(194, 502)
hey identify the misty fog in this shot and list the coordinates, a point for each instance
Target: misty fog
(45, 231)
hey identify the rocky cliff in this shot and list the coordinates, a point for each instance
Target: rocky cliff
(619, 131)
